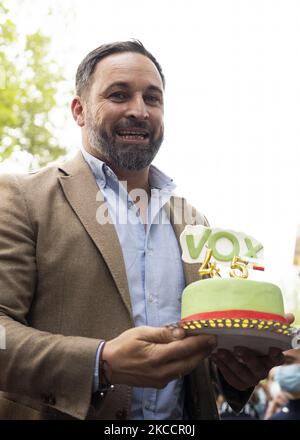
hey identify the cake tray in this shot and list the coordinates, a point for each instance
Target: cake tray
(256, 334)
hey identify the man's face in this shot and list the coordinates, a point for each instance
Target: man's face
(124, 110)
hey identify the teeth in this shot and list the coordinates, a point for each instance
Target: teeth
(132, 135)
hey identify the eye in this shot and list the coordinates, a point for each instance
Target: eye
(152, 99)
(118, 96)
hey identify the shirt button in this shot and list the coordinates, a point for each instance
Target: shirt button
(150, 299)
(149, 406)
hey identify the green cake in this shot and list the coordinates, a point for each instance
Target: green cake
(217, 302)
(237, 310)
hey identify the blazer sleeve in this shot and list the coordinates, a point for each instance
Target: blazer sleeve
(35, 363)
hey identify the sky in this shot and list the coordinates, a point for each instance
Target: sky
(232, 139)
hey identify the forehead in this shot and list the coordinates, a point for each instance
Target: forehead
(293, 355)
(130, 67)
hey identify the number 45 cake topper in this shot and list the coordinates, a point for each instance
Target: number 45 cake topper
(210, 246)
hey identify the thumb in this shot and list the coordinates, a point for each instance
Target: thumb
(162, 335)
(177, 333)
(290, 318)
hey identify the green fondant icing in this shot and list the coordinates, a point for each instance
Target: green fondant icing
(195, 251)
(212, 242)
(231, 294)
(252, 251)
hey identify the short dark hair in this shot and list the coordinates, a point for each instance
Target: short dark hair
(87, 66)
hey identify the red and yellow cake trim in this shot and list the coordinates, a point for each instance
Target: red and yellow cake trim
(228, 314)
(236, 323)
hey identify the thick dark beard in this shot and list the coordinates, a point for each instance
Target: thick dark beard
(126, 156)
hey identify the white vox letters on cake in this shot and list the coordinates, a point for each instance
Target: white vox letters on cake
(225, 245)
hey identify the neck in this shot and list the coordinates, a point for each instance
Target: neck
(135, 179)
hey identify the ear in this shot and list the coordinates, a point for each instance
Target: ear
(78, 111)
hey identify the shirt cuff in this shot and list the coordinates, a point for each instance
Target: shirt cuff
(97, 368)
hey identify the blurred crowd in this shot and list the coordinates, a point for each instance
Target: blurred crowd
(275, 398)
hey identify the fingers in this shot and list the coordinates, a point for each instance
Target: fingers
(179, 368)
(290, 317)
(185, 348)
(185, 366)
(169, 344)
(229, 375)
(258, 365)
(236, 373)
(152, 357)
(244, 368)
(178, 357)
(275, 358)
(159, 335)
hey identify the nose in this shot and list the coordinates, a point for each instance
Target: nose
(137, 109)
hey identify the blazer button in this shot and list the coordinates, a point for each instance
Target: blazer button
(121, 414)
(49, 399)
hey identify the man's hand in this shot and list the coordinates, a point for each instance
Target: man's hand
(244, 368)
(152, 357)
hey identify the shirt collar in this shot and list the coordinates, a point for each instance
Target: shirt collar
(97, 167)
(101, 171)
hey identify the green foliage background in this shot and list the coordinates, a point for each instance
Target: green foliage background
(28, 87)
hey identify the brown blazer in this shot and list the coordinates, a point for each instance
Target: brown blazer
(63, 287)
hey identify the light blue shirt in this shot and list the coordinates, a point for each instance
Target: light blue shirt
(154, 272)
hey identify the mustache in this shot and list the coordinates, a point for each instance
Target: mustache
(143, 125)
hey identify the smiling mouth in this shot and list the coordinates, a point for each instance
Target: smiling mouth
(132, 135)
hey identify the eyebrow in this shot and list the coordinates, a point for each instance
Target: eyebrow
(125, 85)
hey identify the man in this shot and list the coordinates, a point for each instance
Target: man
(286, 404)
(73, 273)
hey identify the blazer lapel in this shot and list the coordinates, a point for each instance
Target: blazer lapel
(83, 194)
(179, 219)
